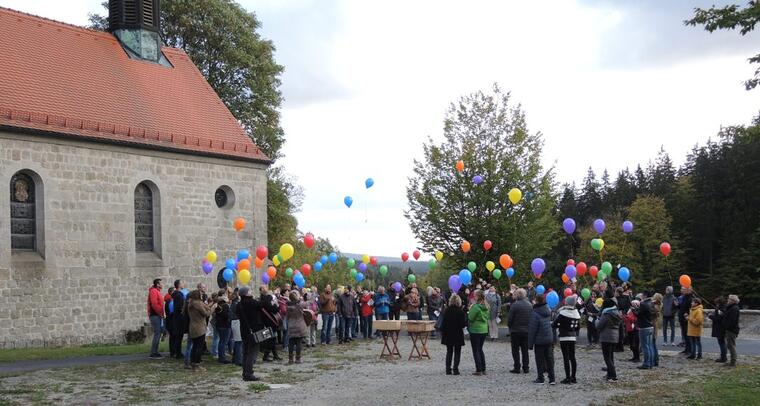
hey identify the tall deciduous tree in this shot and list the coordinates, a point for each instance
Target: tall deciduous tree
(490, 134)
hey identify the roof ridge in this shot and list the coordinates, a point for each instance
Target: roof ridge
(50, 21)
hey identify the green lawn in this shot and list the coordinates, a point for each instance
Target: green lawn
(33, 354)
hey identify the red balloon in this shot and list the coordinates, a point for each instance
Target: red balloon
(373, 261)
(593, 271)
(404, 257)
(581, 268)
(416, 254)
(568, 292)
(571, 262)
(308, 240)
(487, 245)
(306, 269)
(262, 252)
(665, 249)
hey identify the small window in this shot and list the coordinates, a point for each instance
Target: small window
(143, 218)
(23, 213)
(224, 197)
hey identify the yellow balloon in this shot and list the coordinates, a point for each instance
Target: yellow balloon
(286, 251)
(515, 195)
(601, 244)
(365, 258)
(211, 256)
(490, 266)
(599, 302)
(438, 255)
(244, 276)
(276, 260)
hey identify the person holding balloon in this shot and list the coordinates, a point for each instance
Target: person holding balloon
(452, 326)
(477, 318)
(608, 326)
(541, 339)
(592, 309)
(568, 322)
(696, 320)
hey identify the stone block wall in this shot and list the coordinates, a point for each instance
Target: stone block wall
(87, 284)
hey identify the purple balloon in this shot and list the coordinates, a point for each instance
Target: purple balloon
(454, 283)
(537, 266)
(570, 271)
(477, 179)
(207, 268)
(599, 226)
(265, 278)
(627, 227)
(396, 286)
(362, 267)
(569, 225)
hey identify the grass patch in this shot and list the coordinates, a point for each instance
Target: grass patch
(36, 354)
(284, 377)
(258, 387)
(18, 391)
(327, 367)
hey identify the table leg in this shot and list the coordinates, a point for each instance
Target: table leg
(424, 341)
(415, 336)
(394, 338)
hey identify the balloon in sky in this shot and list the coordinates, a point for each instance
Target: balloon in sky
(465, 276)
(477, 179)
(685, 281)
(404, 256)
(540, 289)
(353, 272)
(568, 292)
(265, 278)
(318, 266)
(276, 260)
(286, 251)
(299, 281)
(230, 263)
(593, 271)
(460, 166)
(350, 262)
(411, 278)
(368, 183)
(211, 256)
(627, 227)
(306, 269)
(438, 255)
(243, 254)
(228, 274)
(565, 278)
(396, 286)
(383, 270)
(505, 261)
(472, 266)
(568, 225)
(362, 267)
(333, 257)
(497, 274)
(416, 254)
(514, 195)
(552, 299)
(272, 272)
(599, 226)
(244, 276)
(373, 261)
(597, 244)
(624, 274)
(243, 264)
(537, 266)
(487, 244)
(664, 249)
(510, 273)
(348, 201)
(581, 268)
(454, 283)
(323, 259)
(359, 277)
(571, 271)
(289, 272)
(207, 267)
(432, 263)
(465, 246)
(490, 266)
(571, 261)
(261, 252)
(366, 258)
(585, 293)
(239, 224)
(606, 267)
(308, 240)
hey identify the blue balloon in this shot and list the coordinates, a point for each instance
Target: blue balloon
(323, 259)
(228, 274)
(552, 299)
(171, 307)
(624, 274)
(230, 264)
(333, 257)
(540, 289)
(243, 254)
(362, 267)
(185, 292)
(510, 273)
(369, 182)
(299, 280)
(359, 276)
(348, 201)
(317, 266)
(465, 276)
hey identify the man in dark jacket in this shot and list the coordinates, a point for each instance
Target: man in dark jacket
(249, 313)
(541, 337)
(646, 330)
(684, 307)
(731, 325)
(608, 326)
(669, 310)
(270, 312)
(347, 313)
(179, 322)
(517, 320)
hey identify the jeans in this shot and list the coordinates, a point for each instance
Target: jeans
(413, 316)
(215, 342)
(197, 350)
(696, 346)
(347, 324)
(355, 329)
(188, 349)
(327, 323)
(668, 322)
(456, 351)
(366, 322)
(568, 358)
(654, 347)
(285, 333)
(155, 325)
(224, 338)
(237, 353)
(731, 344)
(476, 341)
(723, 348)
(250, 353)
(295, 345)
(608, 351)
(520, 346)
(647, 345)
(339, 328)
(545, 361)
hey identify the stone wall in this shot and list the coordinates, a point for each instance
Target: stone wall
(87, 284)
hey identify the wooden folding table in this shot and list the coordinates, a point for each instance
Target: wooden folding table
(389, 329)
(419, 331)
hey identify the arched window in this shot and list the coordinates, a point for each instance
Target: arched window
(23, 213)
(144, 218)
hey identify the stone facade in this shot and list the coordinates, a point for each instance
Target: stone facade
(86, 284)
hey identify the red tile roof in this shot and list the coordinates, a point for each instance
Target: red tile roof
(64, 80)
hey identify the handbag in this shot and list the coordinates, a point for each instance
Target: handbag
(275, 319)
(262, 335)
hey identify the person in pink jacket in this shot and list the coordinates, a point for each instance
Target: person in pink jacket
(156, 315)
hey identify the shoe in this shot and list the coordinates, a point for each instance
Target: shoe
(448, 372)
(699, 357)
(155, 356)
(514, 371)
(643, 367)
(730, 364)
(539, 382)
(611, 380)
(225, 361)
(572, 380)
(691, 357)
(525, 371)
(477, 373)
(187, 366)
(277, 358)
(604, 369)
(566, 381)
(455, 372)
(251, 378)
(298, 360)
(552, 382)
(634, 360)
(721, 360)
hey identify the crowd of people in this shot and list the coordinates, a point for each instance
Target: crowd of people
(285, 319)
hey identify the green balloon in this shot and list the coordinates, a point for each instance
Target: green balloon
(350, 262)
(383, 270)
(472, 266)
(497, 273)
(585, 293)
(353, 272)
(432, 263)
(607, 268)
(289, 272)
(411, 278)
(600, 276)
(596, 244)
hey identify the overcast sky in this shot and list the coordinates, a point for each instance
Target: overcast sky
(366, 82)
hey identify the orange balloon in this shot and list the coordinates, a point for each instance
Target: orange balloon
(258, 262)
(272, 272)
(685, 281)
(565, 278)
(505, 261)
(243, 264)
(239, 224)
(460, 166)
(465, 246)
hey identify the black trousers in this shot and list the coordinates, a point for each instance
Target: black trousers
(197, 352)
(608, 351)
(520, 347)
(269, 346)
(175, 341)
(456, 352)
(250, 353)
(568, 358)
(476, 341)
(545, 360)
(634, 343)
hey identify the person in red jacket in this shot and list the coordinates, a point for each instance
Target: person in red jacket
(156, 315)
(367, 308)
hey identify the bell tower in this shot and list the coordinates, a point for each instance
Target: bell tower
(137, 23)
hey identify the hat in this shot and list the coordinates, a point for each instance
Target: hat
(570, 300)
(245, 291)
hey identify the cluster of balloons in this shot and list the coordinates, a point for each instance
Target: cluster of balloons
(349, 201)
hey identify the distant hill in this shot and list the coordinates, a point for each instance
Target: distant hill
(419, 268)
